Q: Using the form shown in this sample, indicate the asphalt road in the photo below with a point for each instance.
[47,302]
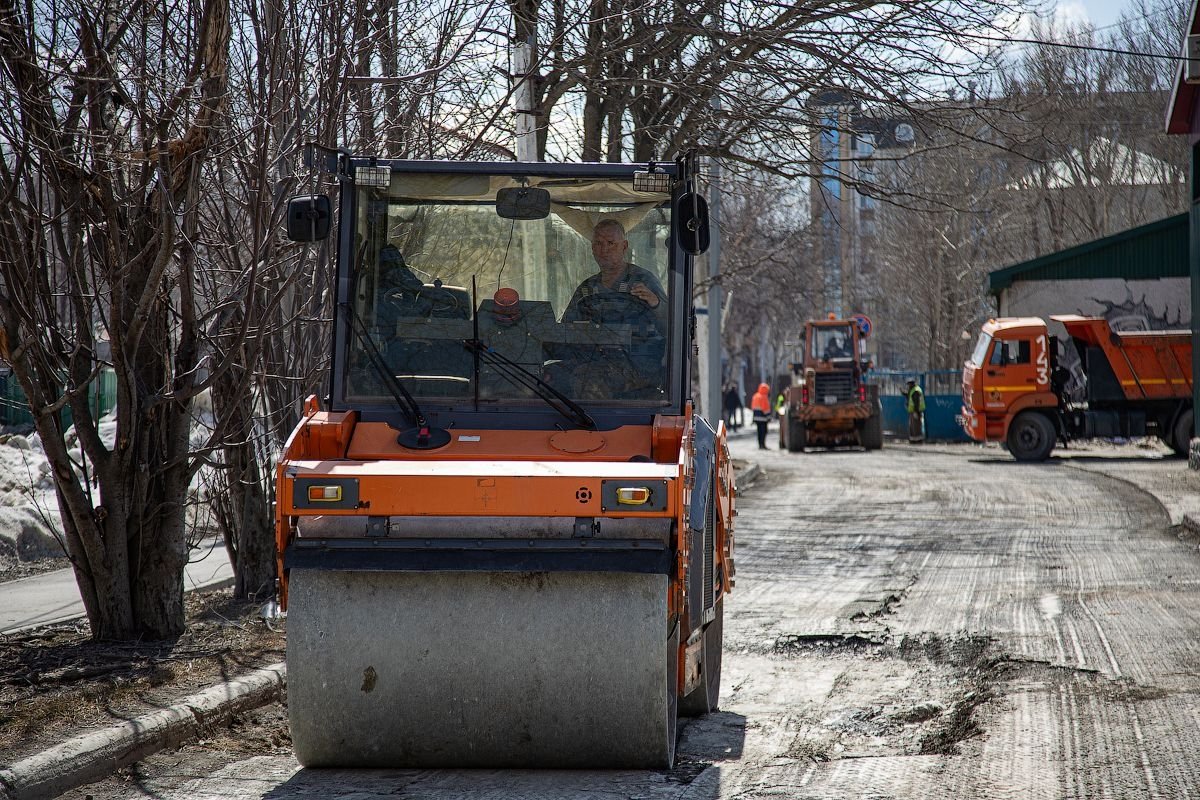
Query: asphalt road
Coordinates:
[908,623]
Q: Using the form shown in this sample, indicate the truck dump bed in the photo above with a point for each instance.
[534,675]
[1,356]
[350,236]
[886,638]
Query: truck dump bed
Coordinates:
[1147,365]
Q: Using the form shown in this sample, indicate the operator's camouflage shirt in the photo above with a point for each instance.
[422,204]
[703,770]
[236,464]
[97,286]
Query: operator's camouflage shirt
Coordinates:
[633,275]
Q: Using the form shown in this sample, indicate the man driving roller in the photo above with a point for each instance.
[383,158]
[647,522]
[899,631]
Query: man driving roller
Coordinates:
[617,275]
[624,294]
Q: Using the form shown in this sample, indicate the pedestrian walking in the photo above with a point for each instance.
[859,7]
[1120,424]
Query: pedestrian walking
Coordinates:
[760,404]
[914,404]
[733,406]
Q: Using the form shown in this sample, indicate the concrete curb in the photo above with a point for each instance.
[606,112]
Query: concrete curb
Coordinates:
[93,756]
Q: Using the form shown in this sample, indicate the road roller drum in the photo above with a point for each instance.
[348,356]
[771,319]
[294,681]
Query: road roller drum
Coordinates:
[453,669]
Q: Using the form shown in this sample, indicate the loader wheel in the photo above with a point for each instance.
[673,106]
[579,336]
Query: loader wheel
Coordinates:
[797,435]
[872,431]
[1031,437]
[1182,438]
[703,699]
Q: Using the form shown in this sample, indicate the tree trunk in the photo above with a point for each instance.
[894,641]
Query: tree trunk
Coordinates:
[593,112]
[241,503]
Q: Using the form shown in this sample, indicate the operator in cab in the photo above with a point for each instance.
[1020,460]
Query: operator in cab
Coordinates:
[838,346]
[622,295]
[616,276]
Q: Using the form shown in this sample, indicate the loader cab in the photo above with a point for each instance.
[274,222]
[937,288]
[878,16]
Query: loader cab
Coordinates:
[833,344]
[478,288]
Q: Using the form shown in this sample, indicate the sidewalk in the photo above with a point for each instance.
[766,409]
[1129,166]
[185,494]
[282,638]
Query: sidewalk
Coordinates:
[54,596]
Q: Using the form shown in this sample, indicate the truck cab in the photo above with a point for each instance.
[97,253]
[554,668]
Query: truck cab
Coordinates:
[1009,371]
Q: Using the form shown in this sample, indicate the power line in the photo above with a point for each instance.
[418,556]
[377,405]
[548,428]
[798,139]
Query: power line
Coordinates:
[1069,46]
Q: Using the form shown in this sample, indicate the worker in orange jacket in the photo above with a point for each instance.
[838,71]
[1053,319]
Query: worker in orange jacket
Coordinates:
[760,404]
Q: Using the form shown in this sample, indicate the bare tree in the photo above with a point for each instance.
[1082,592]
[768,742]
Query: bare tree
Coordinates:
[115,108]
[643,77]
[1066,148]
[301,78]
[770,277]
[275,340]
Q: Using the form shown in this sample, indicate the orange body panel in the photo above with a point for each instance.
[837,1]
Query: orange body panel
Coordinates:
[1150,365]
[500,473]
[375,440]
[726,491]
[414,488]
[321,434]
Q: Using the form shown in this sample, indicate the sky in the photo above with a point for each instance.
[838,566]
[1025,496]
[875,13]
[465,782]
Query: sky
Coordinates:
[1099,12]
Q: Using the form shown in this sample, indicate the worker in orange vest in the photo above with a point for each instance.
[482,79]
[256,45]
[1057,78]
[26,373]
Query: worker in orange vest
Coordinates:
[760,404]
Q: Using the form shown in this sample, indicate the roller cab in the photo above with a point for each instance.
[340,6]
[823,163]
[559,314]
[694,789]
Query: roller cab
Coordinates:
[504,536]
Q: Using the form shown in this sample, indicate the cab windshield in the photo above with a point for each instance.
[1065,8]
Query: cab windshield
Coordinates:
[465,307]
[979,355]
[832,343]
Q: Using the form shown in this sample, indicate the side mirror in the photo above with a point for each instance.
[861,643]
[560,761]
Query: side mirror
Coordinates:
[523,202]
[691,223]
[308,218]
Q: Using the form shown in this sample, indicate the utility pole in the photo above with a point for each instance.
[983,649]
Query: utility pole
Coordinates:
[712,397]
[524,57]
[708,320]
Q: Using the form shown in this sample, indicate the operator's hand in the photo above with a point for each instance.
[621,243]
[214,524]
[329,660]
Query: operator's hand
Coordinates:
[644,293]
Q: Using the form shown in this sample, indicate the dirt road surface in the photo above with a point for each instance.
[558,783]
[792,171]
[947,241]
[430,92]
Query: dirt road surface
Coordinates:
[907,623]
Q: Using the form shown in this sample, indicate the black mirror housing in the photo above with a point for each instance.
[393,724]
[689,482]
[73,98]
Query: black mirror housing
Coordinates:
[691,223]
[523,202]
[308,218]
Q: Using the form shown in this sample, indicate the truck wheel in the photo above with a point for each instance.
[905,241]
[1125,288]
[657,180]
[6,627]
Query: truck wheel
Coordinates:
[796,438]
[1031,437]
[1182,438]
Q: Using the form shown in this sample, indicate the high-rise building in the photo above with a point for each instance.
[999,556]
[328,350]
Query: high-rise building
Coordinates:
[843,196]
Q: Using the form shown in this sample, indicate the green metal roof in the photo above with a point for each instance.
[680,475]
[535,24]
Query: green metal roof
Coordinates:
[1149,252]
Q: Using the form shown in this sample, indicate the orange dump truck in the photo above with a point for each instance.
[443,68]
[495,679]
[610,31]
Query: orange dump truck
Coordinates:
[1134,384]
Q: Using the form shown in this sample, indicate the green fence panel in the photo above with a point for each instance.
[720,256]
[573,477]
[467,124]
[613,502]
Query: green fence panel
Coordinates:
[14,408]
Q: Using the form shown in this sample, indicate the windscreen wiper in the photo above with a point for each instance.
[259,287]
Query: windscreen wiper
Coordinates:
[517,375]
[420,437]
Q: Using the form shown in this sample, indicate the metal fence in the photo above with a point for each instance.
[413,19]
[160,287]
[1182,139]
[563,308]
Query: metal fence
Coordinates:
[943,402]
[14,408]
